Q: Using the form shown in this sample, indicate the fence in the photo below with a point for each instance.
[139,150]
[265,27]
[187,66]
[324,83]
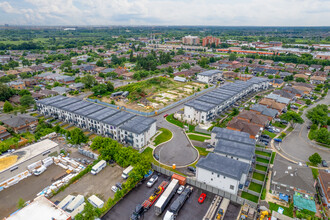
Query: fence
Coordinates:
[153,113]
[231,197]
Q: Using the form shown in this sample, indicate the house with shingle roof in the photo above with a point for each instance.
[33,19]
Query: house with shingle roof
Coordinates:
[21,123]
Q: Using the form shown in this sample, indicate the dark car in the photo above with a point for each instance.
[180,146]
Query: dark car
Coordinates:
[119,185]
[309,127]
[139,209]
[324,163]
[192,169]
[156,156]
[265,136]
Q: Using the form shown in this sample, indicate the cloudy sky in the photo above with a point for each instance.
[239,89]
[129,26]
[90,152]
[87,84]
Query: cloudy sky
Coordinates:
[166,12]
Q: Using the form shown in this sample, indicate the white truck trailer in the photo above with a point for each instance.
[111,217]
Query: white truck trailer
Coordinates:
[98,167]
[75,203]
[66,201]
[126,172]
[166,196]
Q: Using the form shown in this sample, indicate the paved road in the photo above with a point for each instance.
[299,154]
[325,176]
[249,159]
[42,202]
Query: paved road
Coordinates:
[297,146]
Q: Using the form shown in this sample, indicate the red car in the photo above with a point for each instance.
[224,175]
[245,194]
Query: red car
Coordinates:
[202,198]
[165,115]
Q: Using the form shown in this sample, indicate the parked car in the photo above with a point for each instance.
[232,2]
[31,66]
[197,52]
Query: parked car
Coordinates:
[247,183]
[165,115]
[114,189]
[324,163]
[202,198]
[278,139]
[192,169]
[180,190]
[309,127]
[118,185]
[265,136]
[209,146]
[152,180]
[156,156]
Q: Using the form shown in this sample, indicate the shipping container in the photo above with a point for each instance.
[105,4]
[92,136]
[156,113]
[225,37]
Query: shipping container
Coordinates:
[166,196]
[182,179]
[66,201]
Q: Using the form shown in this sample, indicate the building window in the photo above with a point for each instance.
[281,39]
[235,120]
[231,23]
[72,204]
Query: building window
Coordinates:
[224,177]
[231,187]
[212,173]
[218,175]
[211,179]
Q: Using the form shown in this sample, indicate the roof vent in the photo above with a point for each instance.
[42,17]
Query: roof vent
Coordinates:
[289,167]
[286,171]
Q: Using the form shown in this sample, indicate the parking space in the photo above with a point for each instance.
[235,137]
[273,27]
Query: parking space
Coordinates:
[26,189]
[191,209]
[99,184]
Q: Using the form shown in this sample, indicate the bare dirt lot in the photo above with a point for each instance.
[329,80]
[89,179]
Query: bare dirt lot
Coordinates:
[99,184]
[190,210]
[26,189]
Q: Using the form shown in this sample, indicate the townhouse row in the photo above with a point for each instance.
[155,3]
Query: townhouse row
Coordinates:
[204,108]
[119,125]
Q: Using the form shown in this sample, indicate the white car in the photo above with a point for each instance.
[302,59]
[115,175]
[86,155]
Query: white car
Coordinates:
[114,189]
[180,190]
[152,180]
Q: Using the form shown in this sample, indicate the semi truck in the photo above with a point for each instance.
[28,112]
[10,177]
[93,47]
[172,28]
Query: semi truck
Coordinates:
[223,208]
[126,172]
[177,204]
[166,196]
[98,167]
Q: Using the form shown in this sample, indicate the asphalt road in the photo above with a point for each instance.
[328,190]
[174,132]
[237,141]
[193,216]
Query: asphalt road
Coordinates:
[297,146]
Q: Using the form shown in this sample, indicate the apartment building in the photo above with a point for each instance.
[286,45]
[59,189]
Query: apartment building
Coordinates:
[191,40]
[209,40]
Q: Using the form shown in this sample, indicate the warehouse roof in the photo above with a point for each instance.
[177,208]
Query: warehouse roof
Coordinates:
[224,166]
[138,124]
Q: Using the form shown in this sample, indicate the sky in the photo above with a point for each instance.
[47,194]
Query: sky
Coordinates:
[166,12]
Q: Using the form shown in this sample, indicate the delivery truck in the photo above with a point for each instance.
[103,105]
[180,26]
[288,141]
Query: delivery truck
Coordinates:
[166,196]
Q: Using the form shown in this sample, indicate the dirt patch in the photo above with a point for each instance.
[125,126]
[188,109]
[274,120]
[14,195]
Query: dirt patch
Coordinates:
[7,161]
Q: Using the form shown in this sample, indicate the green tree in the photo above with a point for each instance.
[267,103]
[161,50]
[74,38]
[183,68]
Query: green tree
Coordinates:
[100,63]
[89,213]
[26,62]
[7,107]
[185,66]
[89,81]
[323,136]
[99,89]
[203,62]
[110,87]
[288,78]
[27,100]
[77,136]
[308,102]
[270,76]
[318,115]
[20,203]
[292,117]
[5,92]
[66,64]
[299,79]
[24,92]
[315,159]
[232,56]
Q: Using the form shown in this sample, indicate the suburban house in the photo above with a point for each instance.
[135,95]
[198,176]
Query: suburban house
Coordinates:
[324,184]
[263,110]
[284,94]
[318,79]
[276,83]
[296,92]
[19,85]
[21,123]
[4,134]
[270,103]
[305,77]
[253,118]
[278,98]
[222,172]
[237,124]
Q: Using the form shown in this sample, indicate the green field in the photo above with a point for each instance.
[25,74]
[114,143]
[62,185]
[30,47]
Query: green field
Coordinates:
[262,153]
[250,197]
[255,187]
[198,138]
[163,137]
[287,211]
[261,168]
[258,176]
[172,120]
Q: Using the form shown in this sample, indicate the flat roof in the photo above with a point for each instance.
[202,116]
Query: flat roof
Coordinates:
[200,105]
[40,209]
[210,72]
[138,124]
[102,114]
[224,166]
[235,149]
[210,99]
[90,109]
[76,106]
[118,119]
[65,102]
[52,100]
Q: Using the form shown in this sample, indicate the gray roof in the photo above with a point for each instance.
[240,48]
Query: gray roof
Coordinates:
[210,99]
[19,120]
[200,105]
[52,100]
[76,106]
[240,150]
[264,110]
[88,110]
[102,114]
[118,119]
[278,98]
[209,73]
[234,136]
[138,124]
[224,166]
[64,102]
[285,172]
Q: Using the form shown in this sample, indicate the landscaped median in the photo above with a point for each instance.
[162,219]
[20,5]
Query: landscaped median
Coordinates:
[166,135]
[200,138]
[170,118]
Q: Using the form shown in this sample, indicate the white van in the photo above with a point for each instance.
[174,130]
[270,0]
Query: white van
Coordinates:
[39,170]
[126,172]
[98,167]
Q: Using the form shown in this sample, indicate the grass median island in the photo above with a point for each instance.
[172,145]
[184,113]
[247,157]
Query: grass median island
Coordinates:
[170,118]
[163,137]
[255,187]
[202,151]
[198,138]
[258,176]
[250,197]
[273,158]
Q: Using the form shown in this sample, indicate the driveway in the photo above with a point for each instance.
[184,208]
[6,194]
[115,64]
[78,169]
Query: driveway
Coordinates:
[297,146]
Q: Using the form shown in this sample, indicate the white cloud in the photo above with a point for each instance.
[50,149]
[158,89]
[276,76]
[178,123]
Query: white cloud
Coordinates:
[169,12]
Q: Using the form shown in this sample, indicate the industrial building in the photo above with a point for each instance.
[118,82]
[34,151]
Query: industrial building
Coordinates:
[119,125]
[204,108]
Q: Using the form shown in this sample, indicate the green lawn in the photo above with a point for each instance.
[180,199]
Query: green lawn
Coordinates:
[273,158]
[315,172]
[260,167]
[270,134]
[262,160]
[172,120]
[263,153]
[258,176]
[202,151]
[164,136]
[255,187]
[250,197]
[287,211]
[198,138]
[196,132]
[279,125]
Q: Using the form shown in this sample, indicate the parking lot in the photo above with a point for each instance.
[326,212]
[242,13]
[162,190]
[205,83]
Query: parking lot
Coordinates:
[99,184]
[26,189]
[190,210]
[232,211]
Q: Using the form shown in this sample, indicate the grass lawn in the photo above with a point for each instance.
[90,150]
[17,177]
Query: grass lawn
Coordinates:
[261,168]
[273,158]
[270,134]
[172,120]
[287,211]
[250,197]
[196,132]
[198,138]
[279,125]
[255,187]
[258,176]
[262,160]
[263,153]
[315,172]
[147,153]
[202,151]
[164,136]
[290,129]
